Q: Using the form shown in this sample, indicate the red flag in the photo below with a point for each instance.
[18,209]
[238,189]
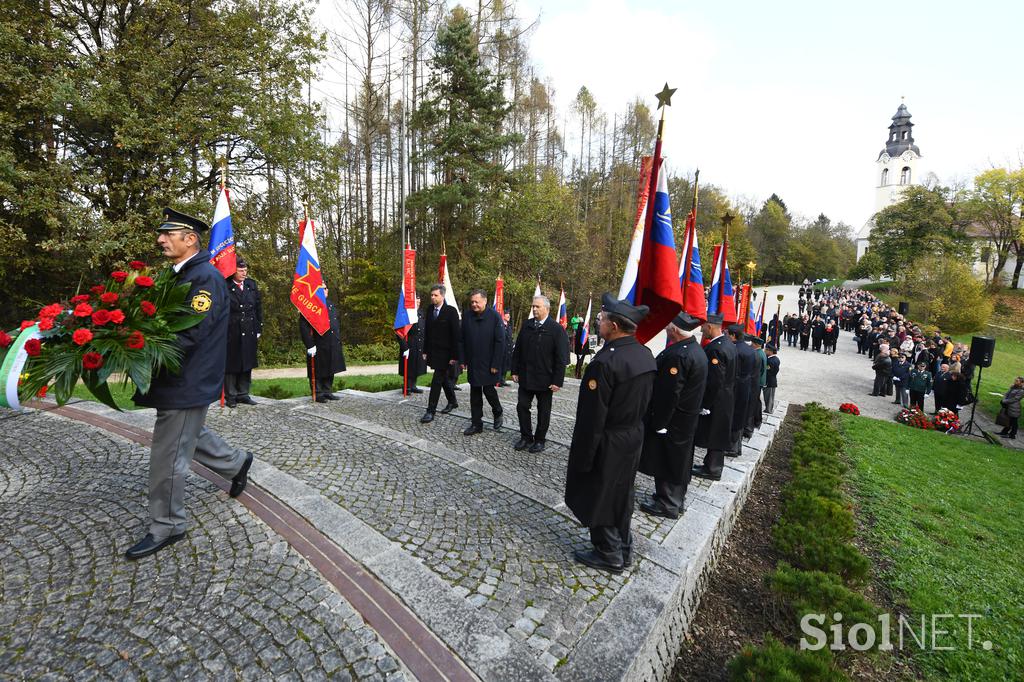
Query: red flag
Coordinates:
[499,296]
[307,284]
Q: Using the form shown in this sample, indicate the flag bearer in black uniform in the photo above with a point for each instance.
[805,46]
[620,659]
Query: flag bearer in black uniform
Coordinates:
[323,352]
[609,435]
[410,353]
[671,419]
[245,325]
[714,428]
[746,365]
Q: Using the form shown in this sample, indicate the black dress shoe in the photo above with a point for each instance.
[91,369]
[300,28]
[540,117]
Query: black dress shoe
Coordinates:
[416,389]
[538,446]
[701,472]
[499,419]
[247,400]
[150,545]
[427,417]
[321,399]
[449,407]
[627,558]
[331,396]
[229,404]
[241,478]
[473,430]
[458,388]
[656,510]
[522,444]
[594,560]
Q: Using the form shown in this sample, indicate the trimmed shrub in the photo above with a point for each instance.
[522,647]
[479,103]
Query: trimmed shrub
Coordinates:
[372,352]
[819,592]
[773,661]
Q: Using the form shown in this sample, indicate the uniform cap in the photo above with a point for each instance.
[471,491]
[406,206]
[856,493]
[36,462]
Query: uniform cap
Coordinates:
[176,220]
[633,313]
[686,321]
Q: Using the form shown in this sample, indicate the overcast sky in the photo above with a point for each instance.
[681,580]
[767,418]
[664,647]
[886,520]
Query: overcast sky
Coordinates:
[795,97]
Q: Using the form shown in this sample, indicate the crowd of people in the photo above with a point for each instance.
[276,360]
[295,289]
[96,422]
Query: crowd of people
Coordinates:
[635,411]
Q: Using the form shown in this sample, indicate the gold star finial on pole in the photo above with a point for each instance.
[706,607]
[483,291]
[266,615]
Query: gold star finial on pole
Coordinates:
[665,96]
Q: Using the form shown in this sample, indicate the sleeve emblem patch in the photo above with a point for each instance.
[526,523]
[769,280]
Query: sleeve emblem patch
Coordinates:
[201,302]
[592,384]
[673,371]
[714,361]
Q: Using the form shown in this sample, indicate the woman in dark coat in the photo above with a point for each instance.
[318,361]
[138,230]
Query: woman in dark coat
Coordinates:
[324,352]
[1011,405]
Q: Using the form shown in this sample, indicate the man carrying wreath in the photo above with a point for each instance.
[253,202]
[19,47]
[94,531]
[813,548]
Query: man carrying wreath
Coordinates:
[181,400]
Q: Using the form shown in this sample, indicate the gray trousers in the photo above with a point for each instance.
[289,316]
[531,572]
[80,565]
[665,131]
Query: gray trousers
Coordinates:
[237,385]
[178,436]
[769,399]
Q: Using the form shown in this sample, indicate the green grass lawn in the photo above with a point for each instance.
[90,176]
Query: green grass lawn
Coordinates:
[945,515]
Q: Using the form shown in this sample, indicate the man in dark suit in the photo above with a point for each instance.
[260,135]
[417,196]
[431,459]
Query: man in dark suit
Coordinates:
[538,366]
[506,358]
[771,378]
[483,346]
[182,398]
[714,428]
[441,339]
[746,366]
[608,437]
[324,355]
[671,419]
[245,325]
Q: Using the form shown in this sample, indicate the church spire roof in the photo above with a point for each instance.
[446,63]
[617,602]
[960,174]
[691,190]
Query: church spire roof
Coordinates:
[901,135]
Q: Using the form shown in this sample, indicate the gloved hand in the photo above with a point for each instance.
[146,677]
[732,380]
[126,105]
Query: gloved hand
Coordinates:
[705,412]
[311,352]
[259,335]
[662,431]
[405,354]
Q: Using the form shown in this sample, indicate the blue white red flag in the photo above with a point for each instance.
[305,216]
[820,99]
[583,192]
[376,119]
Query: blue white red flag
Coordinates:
[307,283]
[586,325]
[406,314]
[722,297]
[759,320]
[222,237]
[691,277]
[627,289]
[563,314]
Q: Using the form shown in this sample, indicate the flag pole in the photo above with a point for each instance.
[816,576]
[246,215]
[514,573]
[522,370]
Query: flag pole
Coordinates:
[223,185]
[312,372]
[691,226]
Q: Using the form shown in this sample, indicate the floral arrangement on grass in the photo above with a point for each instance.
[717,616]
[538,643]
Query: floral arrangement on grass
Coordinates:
[849,408]
[946,420]
[124,326]
[914,417]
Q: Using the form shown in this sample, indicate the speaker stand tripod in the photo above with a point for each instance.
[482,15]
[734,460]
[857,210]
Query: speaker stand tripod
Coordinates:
[968,429]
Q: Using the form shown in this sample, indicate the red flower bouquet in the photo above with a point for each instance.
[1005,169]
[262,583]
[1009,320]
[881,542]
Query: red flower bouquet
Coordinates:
[914,417]
[849,408]
[126,325]
[947,421]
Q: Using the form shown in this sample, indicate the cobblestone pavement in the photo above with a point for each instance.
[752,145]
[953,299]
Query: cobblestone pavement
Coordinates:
[499,550]
[231,600]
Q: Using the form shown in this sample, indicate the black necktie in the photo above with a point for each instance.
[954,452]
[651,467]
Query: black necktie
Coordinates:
[436,311]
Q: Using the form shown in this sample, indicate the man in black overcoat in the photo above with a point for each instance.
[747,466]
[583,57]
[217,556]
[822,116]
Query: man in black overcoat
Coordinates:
[714,428]
[754,403]
[608,437]
[671,420]
[746,364]
[538,366]
[483,347]
[442,337]
[245,325]
[410,353]
[323,353]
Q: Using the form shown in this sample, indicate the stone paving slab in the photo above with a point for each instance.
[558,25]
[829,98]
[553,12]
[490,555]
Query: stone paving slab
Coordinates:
[232,599]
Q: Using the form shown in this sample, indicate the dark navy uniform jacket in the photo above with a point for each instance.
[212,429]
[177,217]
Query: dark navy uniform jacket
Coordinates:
[204,346]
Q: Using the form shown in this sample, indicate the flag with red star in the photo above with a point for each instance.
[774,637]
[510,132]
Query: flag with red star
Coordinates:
[308,292]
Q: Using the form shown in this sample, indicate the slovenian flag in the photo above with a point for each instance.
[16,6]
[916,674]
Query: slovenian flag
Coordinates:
[657,282]
[722,298]
[222,237]
[446,280]
[307,283]
[563,314]
[627,289]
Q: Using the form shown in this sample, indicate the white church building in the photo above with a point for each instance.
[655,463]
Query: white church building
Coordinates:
[898,166]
